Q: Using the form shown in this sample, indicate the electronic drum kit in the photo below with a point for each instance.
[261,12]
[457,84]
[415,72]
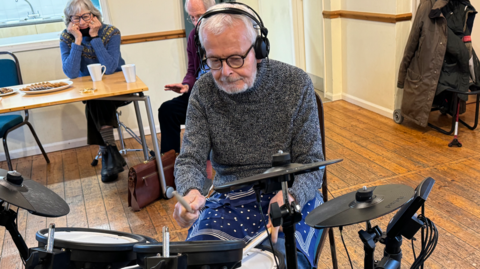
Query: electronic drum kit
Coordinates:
[60,247]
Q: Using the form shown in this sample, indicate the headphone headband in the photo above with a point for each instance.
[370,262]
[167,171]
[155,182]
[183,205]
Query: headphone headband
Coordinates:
[233,11]
[261,45]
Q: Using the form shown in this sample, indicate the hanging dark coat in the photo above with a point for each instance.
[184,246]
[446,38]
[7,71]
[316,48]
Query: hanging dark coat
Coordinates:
[423,60]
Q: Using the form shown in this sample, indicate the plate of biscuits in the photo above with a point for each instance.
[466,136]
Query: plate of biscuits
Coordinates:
[44,87]
[7,91]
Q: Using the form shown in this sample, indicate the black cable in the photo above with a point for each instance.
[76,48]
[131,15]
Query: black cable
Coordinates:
[16,223]
[430,238]
[159,265]
[235,264]
[269,236]
[413,249]
[434,238]
[348,255]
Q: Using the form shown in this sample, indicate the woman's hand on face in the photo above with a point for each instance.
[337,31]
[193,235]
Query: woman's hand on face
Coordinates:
[95,26]
[75,31]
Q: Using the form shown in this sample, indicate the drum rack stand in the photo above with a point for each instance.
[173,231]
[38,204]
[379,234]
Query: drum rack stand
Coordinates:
[286,215]
[33,257]
[392,258]
[392,255]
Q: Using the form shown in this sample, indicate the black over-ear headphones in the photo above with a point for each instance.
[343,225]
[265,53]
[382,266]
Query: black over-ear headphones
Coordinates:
[261,46]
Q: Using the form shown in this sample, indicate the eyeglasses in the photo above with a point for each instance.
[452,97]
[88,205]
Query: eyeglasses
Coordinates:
[234,61]
[193,19]
[86,18]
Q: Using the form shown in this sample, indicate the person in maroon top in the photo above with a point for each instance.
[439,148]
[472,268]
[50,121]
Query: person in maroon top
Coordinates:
[172,114]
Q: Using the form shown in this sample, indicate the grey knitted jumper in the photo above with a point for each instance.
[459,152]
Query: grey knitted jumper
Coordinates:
[244,130]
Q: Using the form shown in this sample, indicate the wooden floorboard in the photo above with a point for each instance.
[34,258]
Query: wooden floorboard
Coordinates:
[376,151]
[73,190]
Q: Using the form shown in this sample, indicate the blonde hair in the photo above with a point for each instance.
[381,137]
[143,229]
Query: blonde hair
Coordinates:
[75,6]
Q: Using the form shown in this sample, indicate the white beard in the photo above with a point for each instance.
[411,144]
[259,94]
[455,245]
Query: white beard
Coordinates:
[231,89]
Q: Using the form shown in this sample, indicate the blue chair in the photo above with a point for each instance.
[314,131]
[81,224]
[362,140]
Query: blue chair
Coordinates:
[10,76]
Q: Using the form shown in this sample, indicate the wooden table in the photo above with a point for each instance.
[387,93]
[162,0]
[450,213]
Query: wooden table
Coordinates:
[111,85]
[112,88]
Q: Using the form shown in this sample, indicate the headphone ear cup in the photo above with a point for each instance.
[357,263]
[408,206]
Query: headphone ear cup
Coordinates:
[267,46]
[262,47]
[201,52]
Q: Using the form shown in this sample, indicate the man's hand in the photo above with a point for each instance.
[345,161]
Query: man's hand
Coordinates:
[177,87]
[95,25]
[74,30]
[278,198]
[180,214]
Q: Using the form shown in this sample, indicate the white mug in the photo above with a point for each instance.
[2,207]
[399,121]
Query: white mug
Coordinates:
[96,71]
[129,72]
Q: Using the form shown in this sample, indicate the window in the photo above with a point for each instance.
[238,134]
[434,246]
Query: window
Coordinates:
[26,24]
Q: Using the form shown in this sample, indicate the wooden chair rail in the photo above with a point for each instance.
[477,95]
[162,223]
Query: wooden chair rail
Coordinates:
[379,17]
[131,39]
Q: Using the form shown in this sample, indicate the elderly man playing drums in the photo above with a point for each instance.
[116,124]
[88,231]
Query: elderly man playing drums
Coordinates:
[245,110]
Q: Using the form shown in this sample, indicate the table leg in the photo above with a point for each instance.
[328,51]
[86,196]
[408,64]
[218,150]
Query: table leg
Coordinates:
[140,128]
[120,136]
[167,193]
[166,190]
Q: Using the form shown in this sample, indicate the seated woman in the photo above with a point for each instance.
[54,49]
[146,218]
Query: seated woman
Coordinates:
[88,41]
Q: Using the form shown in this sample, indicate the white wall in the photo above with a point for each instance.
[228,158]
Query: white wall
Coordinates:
[314,54]
[277,17]
[146,16]
[252,3]
[374,6]
[369,69]
[362,57]
[476,28]
[335,45]
[158,63]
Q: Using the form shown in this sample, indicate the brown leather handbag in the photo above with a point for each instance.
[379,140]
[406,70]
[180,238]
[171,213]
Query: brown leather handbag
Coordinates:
[144,181]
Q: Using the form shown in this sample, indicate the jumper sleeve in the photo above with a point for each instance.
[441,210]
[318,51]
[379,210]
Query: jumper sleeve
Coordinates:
[307,146]
[190,168]
[191,77]
[71,56]
[109,54]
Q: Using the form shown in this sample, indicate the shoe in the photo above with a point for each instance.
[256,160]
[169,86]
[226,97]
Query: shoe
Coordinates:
[112,164]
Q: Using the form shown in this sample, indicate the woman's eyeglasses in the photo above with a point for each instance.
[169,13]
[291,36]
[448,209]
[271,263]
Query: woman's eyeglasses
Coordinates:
[85,17]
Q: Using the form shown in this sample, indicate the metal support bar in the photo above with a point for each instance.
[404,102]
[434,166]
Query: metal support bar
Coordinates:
[120,134]
[151,122]
[455,103]
[7,219]
[140,128]
[158,158]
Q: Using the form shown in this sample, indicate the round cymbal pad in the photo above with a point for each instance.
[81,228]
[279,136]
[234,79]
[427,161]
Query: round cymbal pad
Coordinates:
[33,197]
[360,206]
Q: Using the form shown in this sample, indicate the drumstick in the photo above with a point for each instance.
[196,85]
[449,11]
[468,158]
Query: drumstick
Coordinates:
[259,239]
[182,201]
